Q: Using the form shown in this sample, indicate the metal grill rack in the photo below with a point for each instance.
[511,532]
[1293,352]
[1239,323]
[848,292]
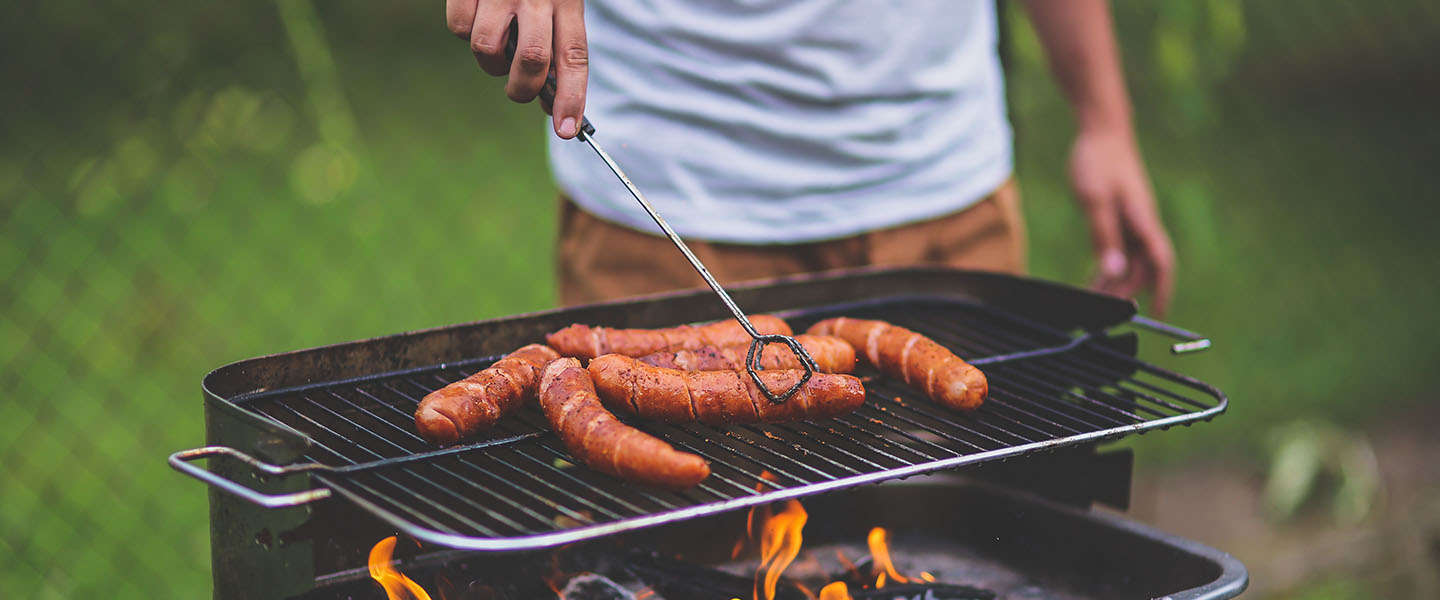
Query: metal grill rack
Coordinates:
[515,489]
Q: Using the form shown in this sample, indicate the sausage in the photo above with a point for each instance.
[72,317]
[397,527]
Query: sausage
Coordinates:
[719,397]
[912,357]
[598,439]
[478,401]
[831,354]
[586,342]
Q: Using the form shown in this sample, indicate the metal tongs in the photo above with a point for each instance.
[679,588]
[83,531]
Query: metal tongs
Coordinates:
[758,341]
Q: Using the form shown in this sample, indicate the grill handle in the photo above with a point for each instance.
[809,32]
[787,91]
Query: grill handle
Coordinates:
[181,462]
[1193,342]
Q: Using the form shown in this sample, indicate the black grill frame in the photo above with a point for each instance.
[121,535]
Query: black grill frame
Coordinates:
[1050,388]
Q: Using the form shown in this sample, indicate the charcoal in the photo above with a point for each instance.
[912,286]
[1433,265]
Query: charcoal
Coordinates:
[589,586]
[674,578]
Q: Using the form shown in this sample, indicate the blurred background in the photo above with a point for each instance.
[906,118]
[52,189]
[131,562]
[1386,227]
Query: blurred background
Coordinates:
[183,185]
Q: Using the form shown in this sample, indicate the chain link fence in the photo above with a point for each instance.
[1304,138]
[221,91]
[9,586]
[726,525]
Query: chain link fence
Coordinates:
[183,185]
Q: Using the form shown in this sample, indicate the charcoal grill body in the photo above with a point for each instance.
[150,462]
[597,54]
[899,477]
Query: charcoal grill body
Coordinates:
[289,549]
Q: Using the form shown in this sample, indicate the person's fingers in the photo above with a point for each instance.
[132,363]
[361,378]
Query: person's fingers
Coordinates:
[532,51]
[1106,237]
[1138,276]
[1156,250]
[489,34]
[460,17]
[572,68]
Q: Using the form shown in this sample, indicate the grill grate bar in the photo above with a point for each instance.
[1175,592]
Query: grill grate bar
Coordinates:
[1029,367]
[825,438]
[1090,366]
[878,442]
[899,409]
[505,482]
[529,474]
[1040,385]
[736,433]
[463,499]
[704,447]
[517,487]
[589,504]
[714,472]
[535,418]
[419,516]
[567,474]
[998,400]
[413,437]
[886,426]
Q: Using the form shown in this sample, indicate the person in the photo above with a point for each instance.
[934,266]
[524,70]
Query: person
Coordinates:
[789,136]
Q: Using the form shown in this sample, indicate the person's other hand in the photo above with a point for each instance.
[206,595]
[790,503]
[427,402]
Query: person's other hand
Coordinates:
[551,36]
[1131,245]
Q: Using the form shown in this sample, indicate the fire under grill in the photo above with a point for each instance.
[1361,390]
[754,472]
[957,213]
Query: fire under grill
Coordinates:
[1054,383]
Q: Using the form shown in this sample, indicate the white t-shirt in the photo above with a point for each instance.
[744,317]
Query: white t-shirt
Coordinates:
[788,121]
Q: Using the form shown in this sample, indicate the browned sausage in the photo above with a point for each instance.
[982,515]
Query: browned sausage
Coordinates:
[831,354]
[478,401]
[584,341]
[719,397]
[598,439]
[914,358]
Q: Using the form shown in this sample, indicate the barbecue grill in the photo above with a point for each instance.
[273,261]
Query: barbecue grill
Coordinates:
[318,456]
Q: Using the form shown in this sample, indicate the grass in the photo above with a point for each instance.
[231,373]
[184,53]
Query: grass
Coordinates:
[158,229]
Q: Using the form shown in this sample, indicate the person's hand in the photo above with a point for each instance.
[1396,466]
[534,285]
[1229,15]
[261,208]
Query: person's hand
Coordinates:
[1131,245]
[551,36]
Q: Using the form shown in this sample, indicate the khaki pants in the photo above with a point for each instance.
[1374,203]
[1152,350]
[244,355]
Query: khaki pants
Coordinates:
[598,260]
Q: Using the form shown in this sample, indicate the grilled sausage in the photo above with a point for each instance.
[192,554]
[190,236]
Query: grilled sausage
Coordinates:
[586,342]
[831,354]
[719,397]
[478,401]
[914,358]
[598,439]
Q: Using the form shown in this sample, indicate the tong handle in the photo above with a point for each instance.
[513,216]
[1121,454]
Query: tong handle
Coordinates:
[758,341]
[547,91]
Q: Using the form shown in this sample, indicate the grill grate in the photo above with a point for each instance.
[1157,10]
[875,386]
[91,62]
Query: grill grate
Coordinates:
[515,488]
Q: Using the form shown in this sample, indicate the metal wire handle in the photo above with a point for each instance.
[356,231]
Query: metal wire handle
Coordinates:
[1194,342]
[181,462]
[758,341]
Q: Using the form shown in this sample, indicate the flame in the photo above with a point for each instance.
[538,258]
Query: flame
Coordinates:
[927,577]
[779,545]
[880,557]
[397,585]
[845,562]
[765,476]
[836,590]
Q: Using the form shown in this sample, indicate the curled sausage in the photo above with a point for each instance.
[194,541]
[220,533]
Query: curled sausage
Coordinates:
[831,354]
[719,397]
[912,357]
[478,401]
[584,341]
[598,439]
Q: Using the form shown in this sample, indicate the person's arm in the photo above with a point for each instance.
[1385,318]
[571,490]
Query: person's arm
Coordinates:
[1106,170]
[551,33]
